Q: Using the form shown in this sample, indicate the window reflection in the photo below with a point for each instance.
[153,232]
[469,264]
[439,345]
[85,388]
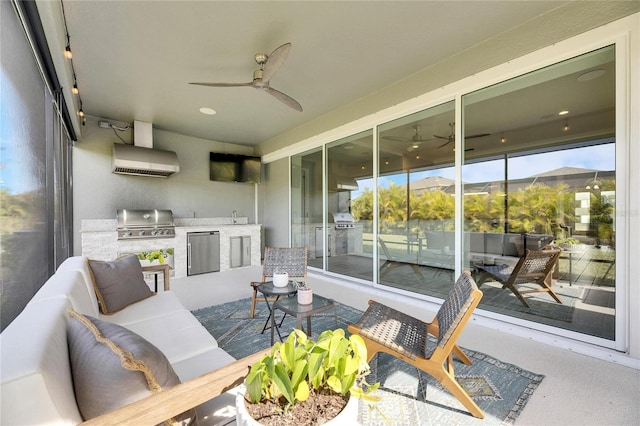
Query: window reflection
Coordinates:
[349,172]
[545,178]
[416,201]
[306,204]
[538,172]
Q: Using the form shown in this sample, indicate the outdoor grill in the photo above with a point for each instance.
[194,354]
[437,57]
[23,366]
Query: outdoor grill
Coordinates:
[138,224]
[343,220]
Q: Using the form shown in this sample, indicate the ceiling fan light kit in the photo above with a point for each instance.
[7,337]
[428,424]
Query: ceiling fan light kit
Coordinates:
[269,64]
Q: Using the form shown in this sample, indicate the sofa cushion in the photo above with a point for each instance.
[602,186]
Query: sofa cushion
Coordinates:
[118,283]
[153,307]
[69,284]
[35,375]
[112,367]
[179,335]
[81,264]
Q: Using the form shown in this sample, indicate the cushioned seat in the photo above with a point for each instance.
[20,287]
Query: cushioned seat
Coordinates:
[37,387]
[156,306]
[179,335]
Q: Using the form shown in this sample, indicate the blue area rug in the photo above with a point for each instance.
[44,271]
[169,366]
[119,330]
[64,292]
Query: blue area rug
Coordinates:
[410,397]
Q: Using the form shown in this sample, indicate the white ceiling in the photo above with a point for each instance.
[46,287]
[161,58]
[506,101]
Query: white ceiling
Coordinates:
[133,60]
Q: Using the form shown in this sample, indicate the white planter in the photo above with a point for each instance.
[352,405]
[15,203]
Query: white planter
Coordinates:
[280,279]
[348,415]
[305,296]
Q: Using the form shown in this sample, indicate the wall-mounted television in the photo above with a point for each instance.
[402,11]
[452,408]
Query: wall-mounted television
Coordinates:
[234,168]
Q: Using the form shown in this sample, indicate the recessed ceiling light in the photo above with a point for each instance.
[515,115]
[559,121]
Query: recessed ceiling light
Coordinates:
[208,111]
[591,75]
[564,112]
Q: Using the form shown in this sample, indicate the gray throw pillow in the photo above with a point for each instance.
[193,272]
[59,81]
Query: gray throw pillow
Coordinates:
[113,366]
[118,283]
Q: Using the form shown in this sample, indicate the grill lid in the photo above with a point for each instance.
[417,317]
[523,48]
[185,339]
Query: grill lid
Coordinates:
[128,218]
[145,224]
[343,220]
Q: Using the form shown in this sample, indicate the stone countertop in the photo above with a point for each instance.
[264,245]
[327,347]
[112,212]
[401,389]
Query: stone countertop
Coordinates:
[110,225]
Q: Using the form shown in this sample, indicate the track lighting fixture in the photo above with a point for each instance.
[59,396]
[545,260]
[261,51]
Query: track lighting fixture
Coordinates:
[69,56]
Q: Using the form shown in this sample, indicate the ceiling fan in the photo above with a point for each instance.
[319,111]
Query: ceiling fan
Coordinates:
[416,139]
[452,138]
[269,64]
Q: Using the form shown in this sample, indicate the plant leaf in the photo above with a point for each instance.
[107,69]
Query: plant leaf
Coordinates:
[352,365]
[334,383]
[302,393]
[287,352]
[283,383]
[299,373]
[315,361]
[254,382]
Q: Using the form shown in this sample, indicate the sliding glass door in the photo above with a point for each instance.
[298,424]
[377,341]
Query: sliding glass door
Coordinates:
[546,177]
[416,204]
[535,171]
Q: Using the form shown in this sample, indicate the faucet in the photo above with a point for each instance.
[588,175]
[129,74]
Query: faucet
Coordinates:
[234,215]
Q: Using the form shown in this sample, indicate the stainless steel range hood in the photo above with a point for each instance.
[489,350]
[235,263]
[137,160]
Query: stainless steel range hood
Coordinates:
[141,159]
[341,183]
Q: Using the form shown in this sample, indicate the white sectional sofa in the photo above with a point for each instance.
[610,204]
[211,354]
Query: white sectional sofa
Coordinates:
[35,372]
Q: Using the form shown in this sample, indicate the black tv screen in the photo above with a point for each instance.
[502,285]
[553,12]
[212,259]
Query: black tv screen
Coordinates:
[234,168]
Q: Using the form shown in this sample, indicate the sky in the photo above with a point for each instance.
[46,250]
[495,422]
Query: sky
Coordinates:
[599,157]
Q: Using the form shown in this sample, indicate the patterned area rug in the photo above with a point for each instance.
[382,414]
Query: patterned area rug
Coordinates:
[409,396]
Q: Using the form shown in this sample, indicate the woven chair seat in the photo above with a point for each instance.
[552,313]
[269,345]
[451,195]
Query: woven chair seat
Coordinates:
[395,330]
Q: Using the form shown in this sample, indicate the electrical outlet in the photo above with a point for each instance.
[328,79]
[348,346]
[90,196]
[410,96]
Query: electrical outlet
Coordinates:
[104,125]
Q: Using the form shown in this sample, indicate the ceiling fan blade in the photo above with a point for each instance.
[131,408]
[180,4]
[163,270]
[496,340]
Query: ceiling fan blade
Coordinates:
[441,137]
[446,143]
[274,61]
[223,84]
[288,100]
[479,135]
[396,138]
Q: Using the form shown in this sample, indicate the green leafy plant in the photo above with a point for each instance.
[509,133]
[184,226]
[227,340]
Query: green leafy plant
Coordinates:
[298,365]
[570,241]
[160,255]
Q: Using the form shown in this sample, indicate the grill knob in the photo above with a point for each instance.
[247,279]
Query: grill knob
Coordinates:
[141,233]
[127,234]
